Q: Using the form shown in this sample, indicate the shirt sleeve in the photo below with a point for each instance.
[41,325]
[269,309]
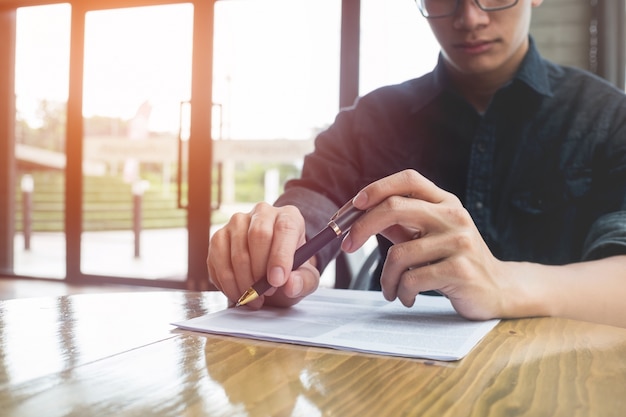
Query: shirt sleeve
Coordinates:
[331,176]
[607,234]
[315,209]
[327,181]
[366,142]
[607,237]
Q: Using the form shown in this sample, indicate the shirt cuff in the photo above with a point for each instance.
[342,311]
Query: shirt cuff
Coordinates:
[317,211]
[607,237]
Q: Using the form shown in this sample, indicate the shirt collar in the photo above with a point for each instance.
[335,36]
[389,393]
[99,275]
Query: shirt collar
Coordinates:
[532,72]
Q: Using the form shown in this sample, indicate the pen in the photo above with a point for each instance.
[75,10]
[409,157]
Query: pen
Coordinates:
[338,225]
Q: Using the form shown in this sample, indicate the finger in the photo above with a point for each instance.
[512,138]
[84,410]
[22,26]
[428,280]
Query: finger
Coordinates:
[408,183]
[218,258]
[301,283]
[260,231]
[401,218]
[398,218]
[399,234]
[412,256]
[288,235]
[400,258]
[417,280]
[219,264]
[393,201]
[241,264]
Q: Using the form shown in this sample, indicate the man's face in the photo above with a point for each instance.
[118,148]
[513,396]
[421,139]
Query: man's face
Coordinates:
[475,42]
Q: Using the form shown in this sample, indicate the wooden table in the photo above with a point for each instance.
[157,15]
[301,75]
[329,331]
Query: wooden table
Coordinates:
[116,354]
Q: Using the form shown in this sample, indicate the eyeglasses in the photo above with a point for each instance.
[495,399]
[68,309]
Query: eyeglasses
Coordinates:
[433,9]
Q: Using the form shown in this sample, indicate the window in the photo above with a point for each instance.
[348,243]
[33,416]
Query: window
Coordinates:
[276,82]
[396,44]
[276,67]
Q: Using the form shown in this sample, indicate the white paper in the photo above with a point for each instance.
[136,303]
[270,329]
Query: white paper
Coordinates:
[360,321]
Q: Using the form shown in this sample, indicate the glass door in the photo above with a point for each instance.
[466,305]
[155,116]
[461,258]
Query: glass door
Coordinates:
[134,81]
[99,127]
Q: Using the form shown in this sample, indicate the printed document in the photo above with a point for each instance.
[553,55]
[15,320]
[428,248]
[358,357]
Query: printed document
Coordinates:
[353,320]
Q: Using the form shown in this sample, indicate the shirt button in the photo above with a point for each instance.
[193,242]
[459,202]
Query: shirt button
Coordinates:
[478,205]
[482,147]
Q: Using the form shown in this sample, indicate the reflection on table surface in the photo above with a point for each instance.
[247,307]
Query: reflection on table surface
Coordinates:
[117,354]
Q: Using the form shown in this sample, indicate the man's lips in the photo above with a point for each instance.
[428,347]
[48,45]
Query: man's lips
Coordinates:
[474,47]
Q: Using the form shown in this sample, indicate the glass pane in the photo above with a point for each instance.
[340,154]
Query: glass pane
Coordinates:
[41,87]
[276,85]
[136,78]
[276,67]
[396,44]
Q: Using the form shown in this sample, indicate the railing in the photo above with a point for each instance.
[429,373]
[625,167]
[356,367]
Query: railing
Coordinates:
[108,205]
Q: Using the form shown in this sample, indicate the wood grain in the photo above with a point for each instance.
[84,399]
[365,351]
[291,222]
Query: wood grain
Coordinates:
[116,354]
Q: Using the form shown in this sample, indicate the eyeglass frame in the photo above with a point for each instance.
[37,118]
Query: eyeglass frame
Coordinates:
[456,8]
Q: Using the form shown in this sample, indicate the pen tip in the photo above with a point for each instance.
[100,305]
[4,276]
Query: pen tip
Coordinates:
[248,296]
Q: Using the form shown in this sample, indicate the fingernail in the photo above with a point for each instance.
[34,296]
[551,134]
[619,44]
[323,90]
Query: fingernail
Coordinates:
[297,284]
[276,277]
[346,245]
[360,199]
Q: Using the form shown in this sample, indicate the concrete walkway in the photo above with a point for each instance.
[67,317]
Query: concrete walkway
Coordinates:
[163,252]
[163,255]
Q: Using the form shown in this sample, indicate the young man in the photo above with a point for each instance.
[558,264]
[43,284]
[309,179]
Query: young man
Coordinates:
[499,180]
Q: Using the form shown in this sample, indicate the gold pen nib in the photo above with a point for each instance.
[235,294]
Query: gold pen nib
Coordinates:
[247,296]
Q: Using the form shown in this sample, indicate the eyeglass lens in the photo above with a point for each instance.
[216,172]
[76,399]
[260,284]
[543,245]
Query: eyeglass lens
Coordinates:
[441,8]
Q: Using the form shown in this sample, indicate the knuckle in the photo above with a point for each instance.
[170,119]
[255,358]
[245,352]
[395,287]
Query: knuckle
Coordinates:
[286,222]
[455,199]
[463,241]
[260,207]
[458,266]
[458,214]
[257,234]
[395,254]
[411,176]
[239,217]
[394,203]
[291,210]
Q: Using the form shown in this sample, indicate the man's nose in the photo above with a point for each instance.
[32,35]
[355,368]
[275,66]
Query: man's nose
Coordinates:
[469,15]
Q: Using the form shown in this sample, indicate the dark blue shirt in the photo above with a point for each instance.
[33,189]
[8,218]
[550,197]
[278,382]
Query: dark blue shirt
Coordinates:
[542,172]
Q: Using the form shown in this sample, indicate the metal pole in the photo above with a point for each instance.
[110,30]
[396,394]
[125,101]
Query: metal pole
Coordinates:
[607,54]
[350,52]
[138,189]
[137,224]
[27,185]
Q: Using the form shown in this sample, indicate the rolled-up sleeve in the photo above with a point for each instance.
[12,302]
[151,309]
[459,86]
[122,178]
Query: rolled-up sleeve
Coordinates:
[607,237]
